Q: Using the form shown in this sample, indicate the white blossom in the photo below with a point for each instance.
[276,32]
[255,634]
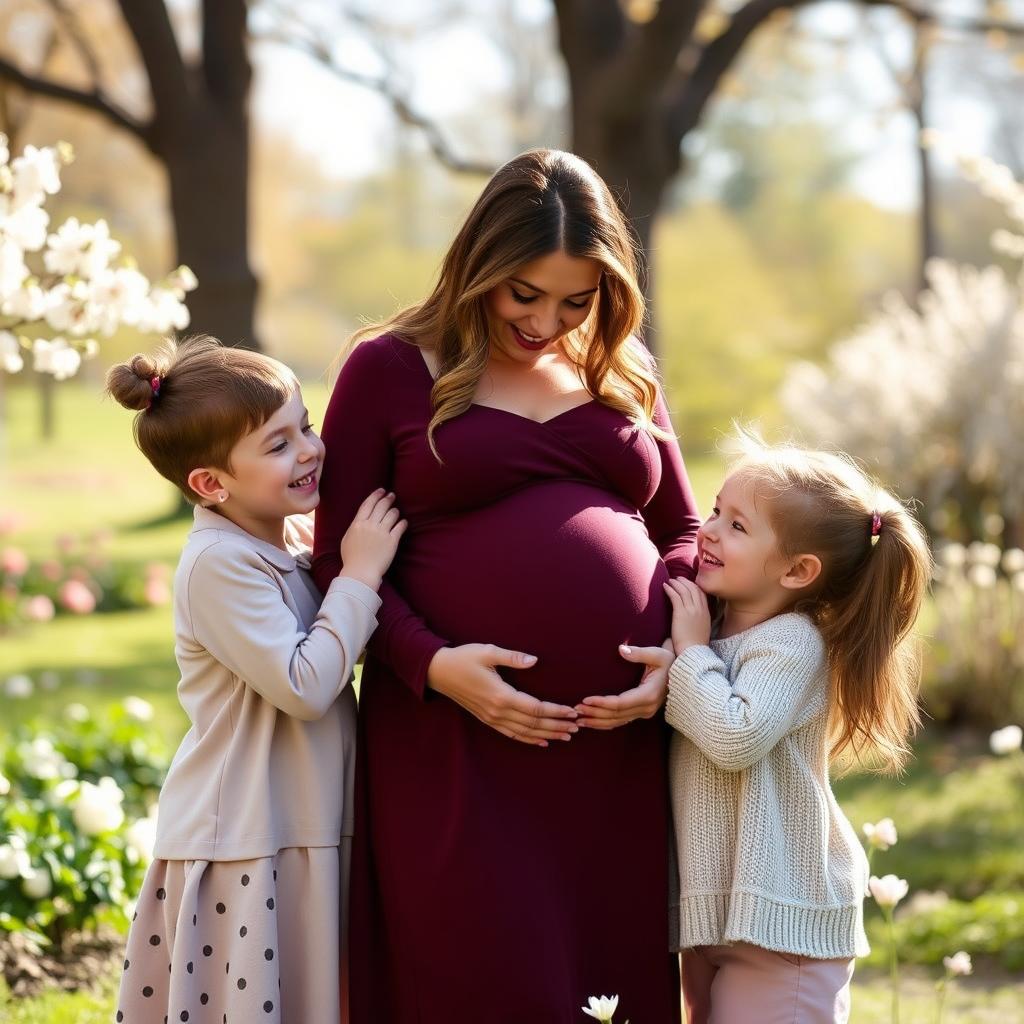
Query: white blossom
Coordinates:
[13,269]
[76,712]
[10,353]
[66,247]
[601,1008]
[14,860]
[140,835]
[958,964]
[887,890]
[37,884]
[36,172]
[1006,740]
[881,835]
[56,357]
[27,303]
[5,785]
[97,808]
[25,225]
[163,311]
[40,759]
[101,250]
[952,555]
[18,687]
[137,708]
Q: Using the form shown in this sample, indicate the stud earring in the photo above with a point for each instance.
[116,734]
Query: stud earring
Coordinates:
[222,496]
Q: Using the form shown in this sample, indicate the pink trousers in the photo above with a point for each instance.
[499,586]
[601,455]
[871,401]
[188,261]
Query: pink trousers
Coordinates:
[744,984]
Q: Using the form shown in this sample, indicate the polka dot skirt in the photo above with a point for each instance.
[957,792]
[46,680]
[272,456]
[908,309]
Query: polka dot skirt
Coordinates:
[227,942]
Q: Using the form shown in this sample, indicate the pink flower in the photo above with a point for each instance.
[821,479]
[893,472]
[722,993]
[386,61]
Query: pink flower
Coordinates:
[39,608]
[65,543]
[52,570]
[156,592]
[157,571]
[9,522]
[14,562]
[76,597]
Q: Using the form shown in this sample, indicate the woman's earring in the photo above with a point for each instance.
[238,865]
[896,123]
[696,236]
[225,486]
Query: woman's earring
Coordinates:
[222,496]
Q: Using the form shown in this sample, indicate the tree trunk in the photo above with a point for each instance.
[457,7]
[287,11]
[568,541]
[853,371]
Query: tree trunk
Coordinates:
[209,191]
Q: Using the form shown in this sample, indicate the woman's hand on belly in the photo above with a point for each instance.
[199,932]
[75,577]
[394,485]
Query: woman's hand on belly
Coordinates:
[468,676]
[643,701]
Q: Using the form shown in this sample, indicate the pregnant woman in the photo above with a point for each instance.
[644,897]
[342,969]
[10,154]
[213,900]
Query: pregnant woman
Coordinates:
[512,842]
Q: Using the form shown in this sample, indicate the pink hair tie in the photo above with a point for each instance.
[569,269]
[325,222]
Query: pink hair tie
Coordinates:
[876,527]
[154,385]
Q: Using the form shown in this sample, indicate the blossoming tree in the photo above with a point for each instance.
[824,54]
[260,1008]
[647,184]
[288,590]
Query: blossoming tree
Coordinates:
[60,289]
[935,393]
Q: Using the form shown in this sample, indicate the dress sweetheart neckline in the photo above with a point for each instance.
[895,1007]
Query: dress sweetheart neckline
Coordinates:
[510,412]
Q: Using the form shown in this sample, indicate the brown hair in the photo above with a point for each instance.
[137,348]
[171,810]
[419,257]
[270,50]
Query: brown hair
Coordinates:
[540,202]
[868,595]
[206,399]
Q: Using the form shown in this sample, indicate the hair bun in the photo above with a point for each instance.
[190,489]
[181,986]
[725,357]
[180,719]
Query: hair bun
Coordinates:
[130,383]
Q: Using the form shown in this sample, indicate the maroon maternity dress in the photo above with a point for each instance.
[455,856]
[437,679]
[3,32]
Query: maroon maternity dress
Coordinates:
[495,882]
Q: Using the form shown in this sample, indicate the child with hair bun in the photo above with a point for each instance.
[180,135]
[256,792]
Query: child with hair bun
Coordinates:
[819,575]
[241,917]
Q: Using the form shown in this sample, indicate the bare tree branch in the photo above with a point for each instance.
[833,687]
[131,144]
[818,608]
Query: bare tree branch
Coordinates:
[150,26]
[385,87]
[94,100]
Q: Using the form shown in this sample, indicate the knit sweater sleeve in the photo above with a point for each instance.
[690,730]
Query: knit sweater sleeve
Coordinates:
[777,684]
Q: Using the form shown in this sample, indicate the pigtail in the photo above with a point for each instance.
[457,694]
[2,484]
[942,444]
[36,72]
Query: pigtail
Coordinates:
[867,621]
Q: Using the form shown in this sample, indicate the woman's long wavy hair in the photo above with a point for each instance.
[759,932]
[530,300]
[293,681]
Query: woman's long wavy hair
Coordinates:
[542,201]
[867,597]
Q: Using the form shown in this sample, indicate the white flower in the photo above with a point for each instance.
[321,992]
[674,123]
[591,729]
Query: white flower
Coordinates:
[102,249]
[982,576]
[55,357]
[162,311]
[76,712]
[40,759]
[137,708]
[14,861]
[10,353]
[26,226]
[27,303]
[182,279]
[601,1008]
[65,789]
[66,247]
[37,884]
[13,270]
[888,890]
[881,835]
[958,963]
[36,171]
[97,808]
[19,687]
[5,785]
[984,554]
[1013,561]
[5,152]
[1006,740]
[141,837]
[120,296]
[68,309]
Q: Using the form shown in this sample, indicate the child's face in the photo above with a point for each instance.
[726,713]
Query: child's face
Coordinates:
[739,558]
[276,468]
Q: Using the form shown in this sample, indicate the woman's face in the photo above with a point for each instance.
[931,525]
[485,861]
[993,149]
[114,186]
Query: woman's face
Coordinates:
[542,301]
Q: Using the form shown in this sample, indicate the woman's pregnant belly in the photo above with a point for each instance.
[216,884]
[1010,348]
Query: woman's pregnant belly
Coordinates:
[562,570]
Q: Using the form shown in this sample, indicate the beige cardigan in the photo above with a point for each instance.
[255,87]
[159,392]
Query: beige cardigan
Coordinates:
[766,856]
[265,672]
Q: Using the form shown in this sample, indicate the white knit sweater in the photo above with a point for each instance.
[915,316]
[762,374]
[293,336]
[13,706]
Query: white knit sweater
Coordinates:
[765,854]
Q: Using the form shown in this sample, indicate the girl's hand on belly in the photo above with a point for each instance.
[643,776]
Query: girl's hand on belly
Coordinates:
[467,676]
[643,701]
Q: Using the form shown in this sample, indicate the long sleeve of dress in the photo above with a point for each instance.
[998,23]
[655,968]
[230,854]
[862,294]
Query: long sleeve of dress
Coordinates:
[671,515]
[259,640]
[736,722]
[357,435]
